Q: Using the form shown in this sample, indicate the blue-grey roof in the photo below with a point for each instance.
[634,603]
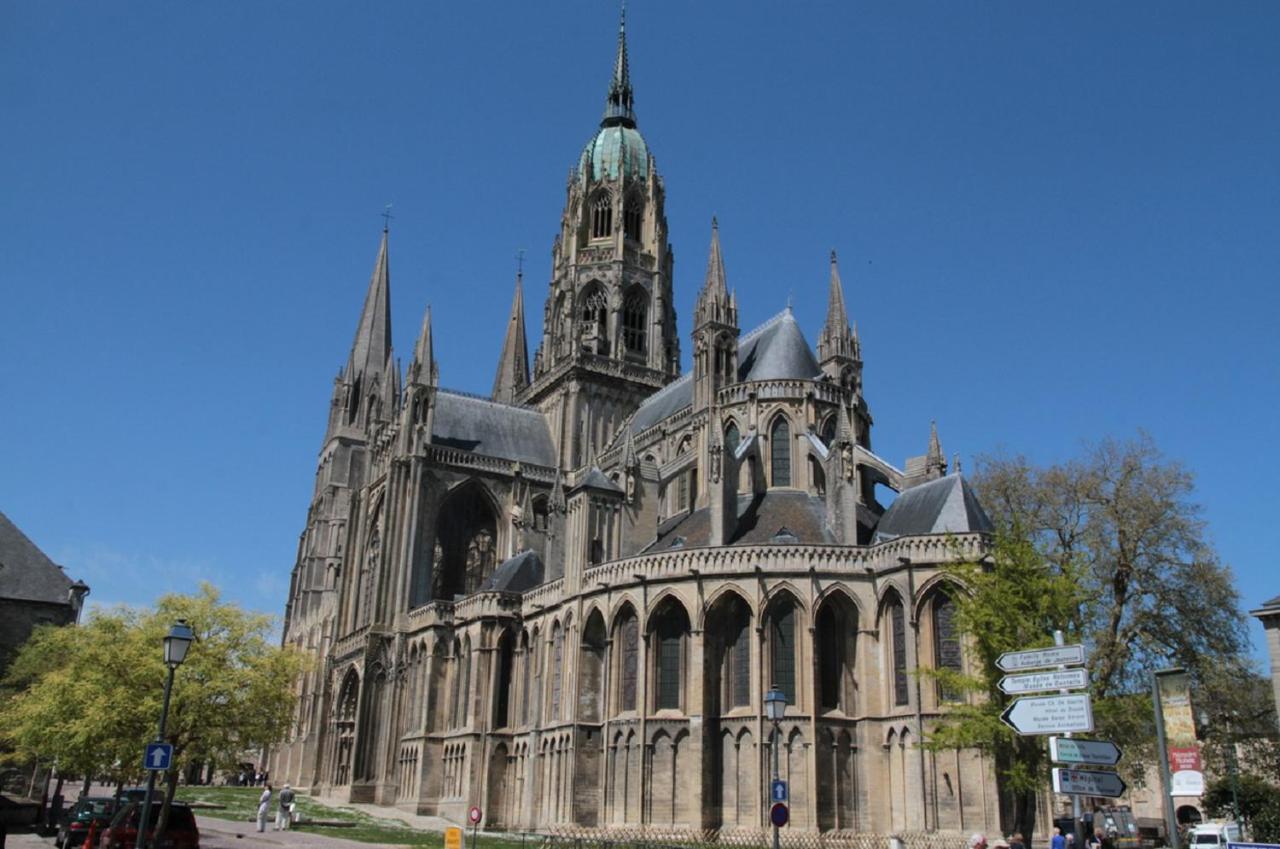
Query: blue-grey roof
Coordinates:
[945,505]
[26,574]
[492,429]
[775,350]
[517,574]
[615,151]
[596,479]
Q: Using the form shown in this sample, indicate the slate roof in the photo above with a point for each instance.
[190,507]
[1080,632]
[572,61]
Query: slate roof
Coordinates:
[945,505]
[775,350]
[596,479]
[26,574]
[773,518]
[494,430]
[516,574]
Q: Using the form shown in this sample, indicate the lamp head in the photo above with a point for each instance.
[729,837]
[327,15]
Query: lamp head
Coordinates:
[775,704]
[176,643]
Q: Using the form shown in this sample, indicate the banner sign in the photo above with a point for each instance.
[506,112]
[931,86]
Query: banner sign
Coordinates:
[1180,729]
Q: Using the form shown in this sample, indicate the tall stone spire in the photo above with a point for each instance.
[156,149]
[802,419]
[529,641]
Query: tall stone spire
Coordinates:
[934,461]
[715,330]
[513,363]
[836,339]
[372,345]
[422,368]
[618,104]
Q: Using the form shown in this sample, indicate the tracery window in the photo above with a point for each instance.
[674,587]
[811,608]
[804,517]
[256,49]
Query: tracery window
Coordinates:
[946,642]
[780,451]
[731,437]
[602,216]
[898,626]
[829,431]
[782,648]
[557,667]
[632,217]
[635,317]
[737,665]
[669,631]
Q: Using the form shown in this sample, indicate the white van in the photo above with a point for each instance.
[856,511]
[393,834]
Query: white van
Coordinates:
[1213,835]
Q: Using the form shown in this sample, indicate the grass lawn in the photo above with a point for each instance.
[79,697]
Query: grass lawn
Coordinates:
[241,804]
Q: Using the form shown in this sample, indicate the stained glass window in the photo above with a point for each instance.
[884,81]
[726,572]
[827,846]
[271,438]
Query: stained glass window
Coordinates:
[780,452]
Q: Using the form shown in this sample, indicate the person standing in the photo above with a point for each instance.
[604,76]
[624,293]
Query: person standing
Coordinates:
[1057,841]
[264,807]
[284,810]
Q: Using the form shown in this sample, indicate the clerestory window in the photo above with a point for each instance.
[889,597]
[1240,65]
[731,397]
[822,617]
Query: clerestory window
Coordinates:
[602,217]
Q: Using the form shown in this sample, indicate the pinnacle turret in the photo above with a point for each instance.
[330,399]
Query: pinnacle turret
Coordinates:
[836,339]
[618,103]
[513,363]
[715,330]
[715,305]
[935,462]
[422,368]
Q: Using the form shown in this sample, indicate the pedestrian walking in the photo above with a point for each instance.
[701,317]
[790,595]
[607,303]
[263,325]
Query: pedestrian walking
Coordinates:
[284,810]
[1057,841]
[264,807]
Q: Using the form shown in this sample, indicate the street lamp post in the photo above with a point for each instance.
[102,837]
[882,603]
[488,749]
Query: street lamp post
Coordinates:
[176,643]
[775,704]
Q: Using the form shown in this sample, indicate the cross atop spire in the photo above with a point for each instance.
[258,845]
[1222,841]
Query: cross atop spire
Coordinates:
[618,104]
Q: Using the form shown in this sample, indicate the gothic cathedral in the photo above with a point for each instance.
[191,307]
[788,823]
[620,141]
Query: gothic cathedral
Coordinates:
[563,603]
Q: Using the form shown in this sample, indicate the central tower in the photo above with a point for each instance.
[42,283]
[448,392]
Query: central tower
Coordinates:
[609,326]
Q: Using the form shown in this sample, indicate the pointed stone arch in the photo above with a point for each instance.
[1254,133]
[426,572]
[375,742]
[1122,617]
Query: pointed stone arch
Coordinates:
[782,619]
[624,662]
[591,668]
[668,630]
[835,647]
[467,540]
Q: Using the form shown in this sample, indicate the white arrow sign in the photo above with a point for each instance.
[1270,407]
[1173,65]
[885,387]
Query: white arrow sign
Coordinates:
[1050,714]
[1067,750]
[1079,782]
[1040,682]
[1017,661]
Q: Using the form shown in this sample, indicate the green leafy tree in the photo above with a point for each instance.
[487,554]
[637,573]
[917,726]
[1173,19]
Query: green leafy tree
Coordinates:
[1259,805]
[90,697]
[1014,600]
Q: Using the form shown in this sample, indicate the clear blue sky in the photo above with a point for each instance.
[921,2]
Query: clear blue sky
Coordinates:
[1056,222]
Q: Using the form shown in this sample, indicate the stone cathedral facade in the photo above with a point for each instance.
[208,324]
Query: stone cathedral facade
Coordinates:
[564,602]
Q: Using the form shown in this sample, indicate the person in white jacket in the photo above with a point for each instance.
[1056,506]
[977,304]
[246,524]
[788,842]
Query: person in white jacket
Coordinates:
[264,807]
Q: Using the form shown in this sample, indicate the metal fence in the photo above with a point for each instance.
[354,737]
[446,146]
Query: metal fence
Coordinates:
[660,838]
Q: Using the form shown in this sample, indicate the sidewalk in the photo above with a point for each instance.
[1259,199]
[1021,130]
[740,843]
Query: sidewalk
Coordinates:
[224,834]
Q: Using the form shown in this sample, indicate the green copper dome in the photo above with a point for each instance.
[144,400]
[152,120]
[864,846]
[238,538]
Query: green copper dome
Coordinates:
[616,151]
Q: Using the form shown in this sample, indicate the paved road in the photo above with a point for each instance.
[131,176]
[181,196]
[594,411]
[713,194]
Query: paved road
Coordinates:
[226,834]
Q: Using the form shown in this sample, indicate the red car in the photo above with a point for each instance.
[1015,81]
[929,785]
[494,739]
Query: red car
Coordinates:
[180,833]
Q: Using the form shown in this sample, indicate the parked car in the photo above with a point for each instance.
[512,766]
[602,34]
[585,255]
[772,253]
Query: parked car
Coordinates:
[75,823]
[180,833]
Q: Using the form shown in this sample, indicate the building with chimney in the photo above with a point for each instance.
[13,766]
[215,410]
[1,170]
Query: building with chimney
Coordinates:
[34,591]
[563,603]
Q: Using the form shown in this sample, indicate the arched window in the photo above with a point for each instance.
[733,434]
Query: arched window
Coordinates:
[729,631]
[593,310]
[540,513]
[780,451]
[635,318]
[465,548]
[836,628]
[946,642]
[502,693]
[898,645]
[782,647]
[628,642]
[731,437]
[632,218]
[670,630]
[829,430]
[602,216]
[557,668]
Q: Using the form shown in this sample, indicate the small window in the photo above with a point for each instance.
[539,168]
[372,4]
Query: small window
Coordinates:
[780,451]
[782,639]
[635,317]
[632,218]
[898,624]
[602,217]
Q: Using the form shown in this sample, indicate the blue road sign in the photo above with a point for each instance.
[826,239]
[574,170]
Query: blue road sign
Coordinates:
[157,756]
[778,790]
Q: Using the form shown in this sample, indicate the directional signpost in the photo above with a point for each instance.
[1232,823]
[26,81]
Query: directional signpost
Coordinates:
[1017,661]
[1050,714]
[1040,682]
[157,756]
[1066,750]
[1087,783]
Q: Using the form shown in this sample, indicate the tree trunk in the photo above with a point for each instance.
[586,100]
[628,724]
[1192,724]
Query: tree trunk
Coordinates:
[170,787]
[88,779]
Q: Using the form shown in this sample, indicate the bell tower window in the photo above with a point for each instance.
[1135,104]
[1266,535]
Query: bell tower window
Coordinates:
[602,217]
[635,315]
[631,218]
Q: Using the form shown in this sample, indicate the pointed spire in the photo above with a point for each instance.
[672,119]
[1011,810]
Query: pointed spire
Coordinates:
[935,462]
[422,368]
[714,302]
[836,339]
[372,345]
[618,103]
[630,460]
[513,363]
